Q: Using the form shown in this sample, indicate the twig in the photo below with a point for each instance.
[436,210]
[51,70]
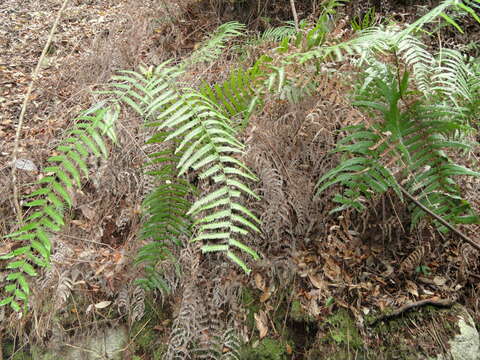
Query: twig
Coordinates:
[295,15]
[1,341]
[413,305]
[441,220]
[23,110]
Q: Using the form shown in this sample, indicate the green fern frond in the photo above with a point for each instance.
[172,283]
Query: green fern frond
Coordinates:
[213,47]
[409,148]
[164,217]
[414,54]
[53,197]
[236,96]
[277,34]
[451,77]
[367,41]
[208,145]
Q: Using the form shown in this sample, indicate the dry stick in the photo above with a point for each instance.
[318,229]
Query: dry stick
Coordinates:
[295,15]
[416,304]
[441,220]
[24,108]
[1,341]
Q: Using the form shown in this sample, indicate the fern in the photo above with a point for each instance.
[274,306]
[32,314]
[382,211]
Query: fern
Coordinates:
[359,23]
[52,198]
[165,219]
[277,34]
[208,142]
[205,142]
[407,147]
[214,45]
[453,76]
[236,97]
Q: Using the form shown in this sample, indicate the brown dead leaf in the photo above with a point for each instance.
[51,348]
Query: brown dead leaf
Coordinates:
[411,288]
[261,322]
[313,308]
[439,280]
[259,282]
[332,270]
[317,281]
[288,349]
[87,211]
[102,304]
[267,294]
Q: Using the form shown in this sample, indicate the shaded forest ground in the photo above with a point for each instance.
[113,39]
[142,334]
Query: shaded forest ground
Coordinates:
[314,263]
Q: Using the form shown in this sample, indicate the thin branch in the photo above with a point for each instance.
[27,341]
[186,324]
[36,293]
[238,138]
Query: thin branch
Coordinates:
[295,15]
[24,108]
[433,301]
[440,219]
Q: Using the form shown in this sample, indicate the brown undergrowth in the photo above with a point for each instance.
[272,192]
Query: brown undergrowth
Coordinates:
[361,263]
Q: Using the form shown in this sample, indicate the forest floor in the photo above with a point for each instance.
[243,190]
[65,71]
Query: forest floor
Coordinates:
[315,261]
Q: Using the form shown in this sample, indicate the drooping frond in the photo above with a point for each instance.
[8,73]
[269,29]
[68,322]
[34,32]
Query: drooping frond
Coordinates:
[139,89]
[414,54]
[53,197]
[236,97]
[406,147]
[165,221]
[209,146]
[206,142]
[277,34]
[452,77]
[214,45]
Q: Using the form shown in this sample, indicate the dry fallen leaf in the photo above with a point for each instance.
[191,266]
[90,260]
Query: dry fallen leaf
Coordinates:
[102,304]
[313,308]
[259,282]
[317,281]
[266,294]
[88,212]
[411,288]
[261,323]
[439,281]
[332,270]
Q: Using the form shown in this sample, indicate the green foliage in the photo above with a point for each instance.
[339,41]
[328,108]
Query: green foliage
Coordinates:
[408,146]
[267,349]
[198,125]
[214,45]
[47,204]
[277,34]
[165,220]
[364,22]
[237,96]
[209,143]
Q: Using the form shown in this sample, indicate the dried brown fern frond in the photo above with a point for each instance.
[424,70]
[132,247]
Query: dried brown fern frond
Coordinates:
[413,260]
[276,215]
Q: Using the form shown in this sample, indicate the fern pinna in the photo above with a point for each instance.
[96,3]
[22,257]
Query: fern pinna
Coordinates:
[408,147]
[52,198]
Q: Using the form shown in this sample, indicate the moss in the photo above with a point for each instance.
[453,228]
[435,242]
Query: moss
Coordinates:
[267,349]
[10,353]
[337,338]
[343,330]
[298,313]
